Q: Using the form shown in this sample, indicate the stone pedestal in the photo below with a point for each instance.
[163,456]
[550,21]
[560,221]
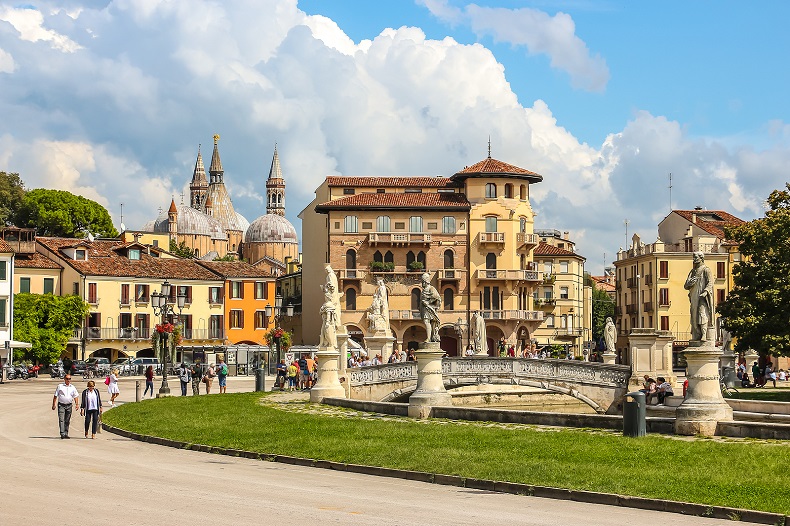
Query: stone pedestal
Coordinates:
[380,344]
[751,356]
[609,358]
[650,353]
[342,359]
[430,387]
[328,384]
[728,368]
[704,406]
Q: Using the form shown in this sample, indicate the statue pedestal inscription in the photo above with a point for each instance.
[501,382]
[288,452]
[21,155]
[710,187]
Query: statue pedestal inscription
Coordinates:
[704,406]
[328,384]
[430,390]
[650,353]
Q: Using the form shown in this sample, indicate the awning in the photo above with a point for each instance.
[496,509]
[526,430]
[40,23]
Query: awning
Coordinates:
[13,344]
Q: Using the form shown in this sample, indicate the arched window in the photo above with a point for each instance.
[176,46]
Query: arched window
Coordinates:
[522,192]
[421,258]
[490,260]
[448,299]
[351,299]
[415,299]
[550,320]
[522,224]
[563,322]
[449,259]
[490,190]
[509,191]
[378,257]
[410,258]
[388,257]
[383,224]
[351,258]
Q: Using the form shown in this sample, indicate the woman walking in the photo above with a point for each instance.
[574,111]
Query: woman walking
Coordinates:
[112,387]
[90,407]
[209,377]
[149,381]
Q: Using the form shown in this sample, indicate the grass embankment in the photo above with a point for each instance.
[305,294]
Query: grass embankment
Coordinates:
[738,473]
[765,394]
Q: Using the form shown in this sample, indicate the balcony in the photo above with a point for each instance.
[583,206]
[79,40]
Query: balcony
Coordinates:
[392,238]
[351,274]
[141,333]
[630,309]
[525,315]
[648,279]
[491,238]
[545,303]
[450,274]
[509,275]
[648,306]
[631,282]
[526,241]
[568,333]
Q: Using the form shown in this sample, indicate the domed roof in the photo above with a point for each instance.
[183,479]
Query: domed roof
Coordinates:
[191,222]
[243,223]
[271,228]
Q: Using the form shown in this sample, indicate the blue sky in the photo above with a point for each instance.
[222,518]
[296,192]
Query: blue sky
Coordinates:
[110,99]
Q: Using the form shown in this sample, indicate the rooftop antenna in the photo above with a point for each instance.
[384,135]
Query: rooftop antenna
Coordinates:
[489,146]
[670,192]
[625,222]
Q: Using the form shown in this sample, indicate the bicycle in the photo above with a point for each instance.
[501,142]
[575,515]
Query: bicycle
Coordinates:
[727,391]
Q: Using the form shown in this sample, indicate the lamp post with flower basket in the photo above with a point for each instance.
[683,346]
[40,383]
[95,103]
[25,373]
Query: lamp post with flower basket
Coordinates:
[280,337]
[166,335]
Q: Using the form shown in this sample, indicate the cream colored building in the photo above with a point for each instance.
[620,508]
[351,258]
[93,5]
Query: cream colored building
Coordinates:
[472,233]
[651,276]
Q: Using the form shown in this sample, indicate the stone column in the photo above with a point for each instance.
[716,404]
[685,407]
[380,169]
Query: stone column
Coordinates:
[380,344]
[704,406]
[610,358]
[328,384]
[342,359]
[650,353]
[430,387]
[751,356]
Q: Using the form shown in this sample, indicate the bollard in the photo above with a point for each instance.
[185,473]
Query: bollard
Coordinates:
[634,424]
[137,390]
[260,379]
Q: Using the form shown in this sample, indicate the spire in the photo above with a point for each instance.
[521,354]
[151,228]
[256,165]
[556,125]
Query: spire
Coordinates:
[215,170]
[172,209]
[275,187]
[275,172]
[199,175]
[199,184]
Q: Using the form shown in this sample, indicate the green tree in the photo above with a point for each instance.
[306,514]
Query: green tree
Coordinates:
[181,250]
[12,191]
[46,321]
[602,308]
[226,257]
[62,214]
[756,310]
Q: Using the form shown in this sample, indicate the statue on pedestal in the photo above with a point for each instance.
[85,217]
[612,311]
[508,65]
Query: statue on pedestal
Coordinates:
[609,335]
[699,283]
[478,332]
[329,315]
[430,301]
[379,312]
[331,280]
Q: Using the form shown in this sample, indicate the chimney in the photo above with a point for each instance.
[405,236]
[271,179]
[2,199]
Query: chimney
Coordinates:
[566,235]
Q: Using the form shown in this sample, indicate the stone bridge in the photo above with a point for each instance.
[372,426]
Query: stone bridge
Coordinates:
[601,386]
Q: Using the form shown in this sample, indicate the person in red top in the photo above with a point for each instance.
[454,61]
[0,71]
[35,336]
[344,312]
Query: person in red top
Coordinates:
[149,381]
[310,372]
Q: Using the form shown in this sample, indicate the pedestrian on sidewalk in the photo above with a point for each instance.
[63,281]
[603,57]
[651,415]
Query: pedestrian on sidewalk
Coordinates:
[65,395]
[184,376]
[113,389]
[222,376]
[196,374]
[90,408]
[149,381]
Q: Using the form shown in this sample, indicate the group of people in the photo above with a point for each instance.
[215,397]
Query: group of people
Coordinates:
[299,374]
[89,404]
[761,375]
[658,389]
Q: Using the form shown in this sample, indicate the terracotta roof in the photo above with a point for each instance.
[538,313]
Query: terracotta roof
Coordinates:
[389,182]
[35,260]
[490,166]
[235,269]
[172,208]
[711,221]
[409,201]
[601,283]
[544,249]
[5,247]
[103,260]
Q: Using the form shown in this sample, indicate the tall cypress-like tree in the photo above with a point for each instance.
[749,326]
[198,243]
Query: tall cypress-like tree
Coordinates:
[757,310]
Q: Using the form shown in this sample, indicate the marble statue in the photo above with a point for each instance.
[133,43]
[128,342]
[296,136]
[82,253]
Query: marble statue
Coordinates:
[430,301]
[478,334]
[381,294]
[329,315]
[726,340]
[331,279]
[609,335]
[379,312]
[699,283]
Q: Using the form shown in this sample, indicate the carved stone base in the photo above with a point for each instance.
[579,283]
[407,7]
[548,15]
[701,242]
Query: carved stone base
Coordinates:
[609,358]
[380,345]
[704,406]
[328,384]
[430,390]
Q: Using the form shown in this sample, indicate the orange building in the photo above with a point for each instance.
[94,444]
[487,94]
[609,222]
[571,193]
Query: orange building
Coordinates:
[247,292]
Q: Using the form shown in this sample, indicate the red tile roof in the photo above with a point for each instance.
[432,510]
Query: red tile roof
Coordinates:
[544,249]
[711,221]
[5,247]
[389,182]
[442,200]
[601,283]
[35,260]
[235,269]
[103,260]
[491,166]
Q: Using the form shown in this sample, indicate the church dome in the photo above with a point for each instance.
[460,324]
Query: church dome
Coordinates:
[243,223]
[271,228]
[191,222]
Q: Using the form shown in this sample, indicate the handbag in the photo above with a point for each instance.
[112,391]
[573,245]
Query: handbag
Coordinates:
[205,379]
[107,381]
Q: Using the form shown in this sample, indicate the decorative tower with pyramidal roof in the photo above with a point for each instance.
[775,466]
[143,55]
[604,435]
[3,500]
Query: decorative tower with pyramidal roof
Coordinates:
[275,187]
[199,185]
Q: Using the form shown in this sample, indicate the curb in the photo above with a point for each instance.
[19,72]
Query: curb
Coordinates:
[514,488]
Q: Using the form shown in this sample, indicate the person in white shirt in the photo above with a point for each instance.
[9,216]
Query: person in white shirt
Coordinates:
[91,407]
[66,397]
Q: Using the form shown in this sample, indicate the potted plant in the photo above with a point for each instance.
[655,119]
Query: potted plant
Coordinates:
[376,266]
[416,266]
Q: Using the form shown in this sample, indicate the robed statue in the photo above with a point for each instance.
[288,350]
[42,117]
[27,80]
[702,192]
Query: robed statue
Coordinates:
[609,335]
[430,301]
[700,287]
[478,332]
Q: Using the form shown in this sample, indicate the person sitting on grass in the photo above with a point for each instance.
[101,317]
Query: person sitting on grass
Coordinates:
[745,380]
[664,389]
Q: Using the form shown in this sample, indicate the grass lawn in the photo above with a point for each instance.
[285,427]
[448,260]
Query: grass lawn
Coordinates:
[705,471]
[766,394]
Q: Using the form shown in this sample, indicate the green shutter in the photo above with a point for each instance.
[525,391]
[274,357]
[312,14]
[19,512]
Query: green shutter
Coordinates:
[49,286]
[24,284]
[2,313]
[3,271]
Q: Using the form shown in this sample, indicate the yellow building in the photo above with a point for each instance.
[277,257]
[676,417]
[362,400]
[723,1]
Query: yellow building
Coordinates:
[650,278]
[472,233]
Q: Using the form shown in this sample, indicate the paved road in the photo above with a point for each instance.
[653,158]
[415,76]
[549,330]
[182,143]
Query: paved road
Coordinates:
[112,480]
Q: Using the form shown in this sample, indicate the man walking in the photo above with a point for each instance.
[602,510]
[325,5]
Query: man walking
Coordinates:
[222,375]
[184,377]
[197,376]
[66,397]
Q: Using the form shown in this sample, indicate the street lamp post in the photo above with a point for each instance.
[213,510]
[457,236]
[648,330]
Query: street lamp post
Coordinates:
[278,311]
[160,301]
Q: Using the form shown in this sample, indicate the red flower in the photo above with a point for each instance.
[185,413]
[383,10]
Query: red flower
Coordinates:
[278,332]
[164,327]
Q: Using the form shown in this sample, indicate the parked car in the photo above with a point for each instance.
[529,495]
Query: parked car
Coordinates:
[141,364]
[78,367]
[124,366]
[102,365]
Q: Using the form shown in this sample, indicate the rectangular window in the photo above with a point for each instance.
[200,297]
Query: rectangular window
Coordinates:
[663,297]
[261,321]
[351,226]
[720,296]
[432,226]
[92,293]
[367,225]
[720,272]
[550,321]
[125,294]
[141,293]
[215,295]
[236,319]
[547,268]
[383,224]
[49,285]
[415,224]
[400,226]
[24,284]
[134,253]
[75,289]
[3,271]
[563,267]
[260,290]
[79,255]
[664,323]
[448,225]
[348,191]
[215,328]
[547,294]
[236,290]
[491,224]
[663,269]
[3,322]
[186,291]
[563,293]
[412,190]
